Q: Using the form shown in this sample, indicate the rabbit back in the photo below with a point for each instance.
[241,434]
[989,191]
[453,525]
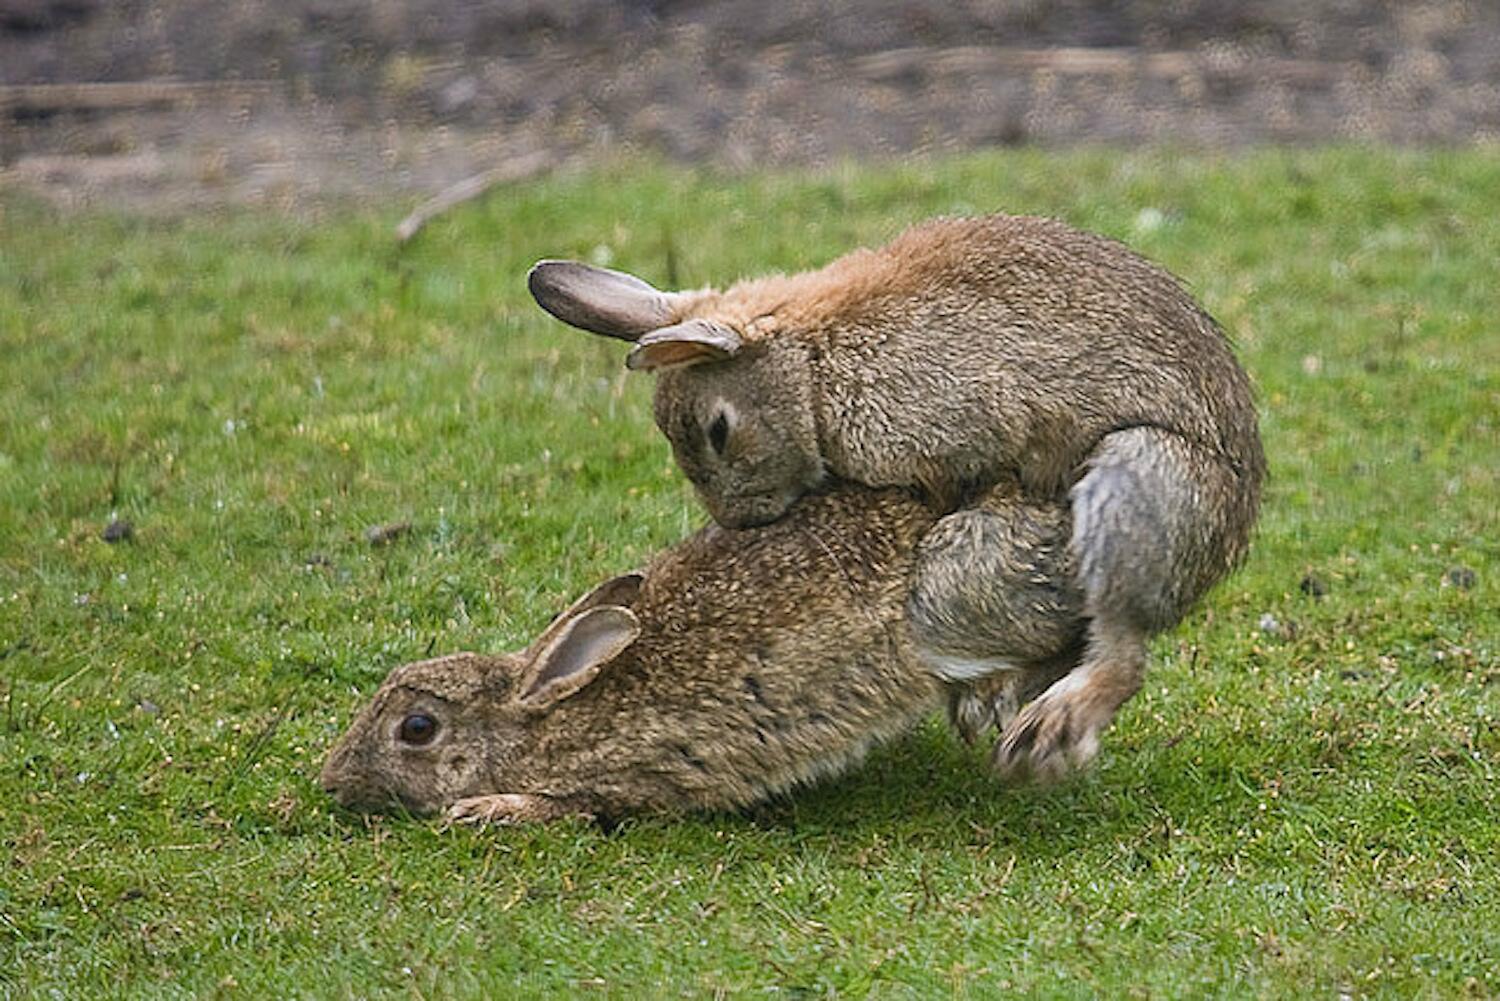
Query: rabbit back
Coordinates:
[765,658]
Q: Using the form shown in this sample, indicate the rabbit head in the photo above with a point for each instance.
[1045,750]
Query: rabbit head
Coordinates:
[425,738]
[737,408]
[463,725]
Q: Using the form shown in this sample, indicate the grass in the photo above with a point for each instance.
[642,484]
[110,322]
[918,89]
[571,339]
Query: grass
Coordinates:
[1303,802]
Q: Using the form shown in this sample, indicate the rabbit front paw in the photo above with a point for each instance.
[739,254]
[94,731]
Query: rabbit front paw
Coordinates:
[506,808]
[976,706]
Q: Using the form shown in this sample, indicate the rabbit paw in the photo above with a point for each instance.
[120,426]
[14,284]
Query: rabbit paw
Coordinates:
[503,808]
[1055,734]
[976,706]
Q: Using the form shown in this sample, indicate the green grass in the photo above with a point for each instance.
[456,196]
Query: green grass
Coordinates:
[1305,811]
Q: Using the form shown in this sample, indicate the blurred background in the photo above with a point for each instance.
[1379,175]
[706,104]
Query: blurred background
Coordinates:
[172,103]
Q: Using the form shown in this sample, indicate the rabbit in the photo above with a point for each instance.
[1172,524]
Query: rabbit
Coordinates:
[967,351]
[739,664]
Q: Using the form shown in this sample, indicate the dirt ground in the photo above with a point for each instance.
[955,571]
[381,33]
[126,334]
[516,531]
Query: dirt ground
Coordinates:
[183,103]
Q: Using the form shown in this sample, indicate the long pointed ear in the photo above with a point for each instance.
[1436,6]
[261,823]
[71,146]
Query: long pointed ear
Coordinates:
[599,300]
[577,653]
[689,343]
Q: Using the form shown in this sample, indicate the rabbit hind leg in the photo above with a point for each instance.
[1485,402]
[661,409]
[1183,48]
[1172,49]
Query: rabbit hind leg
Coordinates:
[1149,536]
[994,701]
[993,601]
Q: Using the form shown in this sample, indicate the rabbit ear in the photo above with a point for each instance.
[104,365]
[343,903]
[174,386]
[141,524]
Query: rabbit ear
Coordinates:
[577,653]
[687,343]
[598,300]
[621,590]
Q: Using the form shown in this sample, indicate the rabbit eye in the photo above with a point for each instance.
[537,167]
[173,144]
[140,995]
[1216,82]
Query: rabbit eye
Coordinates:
[718,433]
[418,729]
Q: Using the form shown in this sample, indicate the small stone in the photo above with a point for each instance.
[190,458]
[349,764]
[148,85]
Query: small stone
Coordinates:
[1270,625]
[148,707]
[1462,578]
[118,530]
[1150,219]
[1313,586]
[383,535]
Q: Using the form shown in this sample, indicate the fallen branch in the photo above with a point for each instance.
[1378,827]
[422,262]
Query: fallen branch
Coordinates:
[1081,61]
[520,169]
[50,98]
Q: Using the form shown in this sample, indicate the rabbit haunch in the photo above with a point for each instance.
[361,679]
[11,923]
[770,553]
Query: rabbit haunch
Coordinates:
[739,664]
[964,354]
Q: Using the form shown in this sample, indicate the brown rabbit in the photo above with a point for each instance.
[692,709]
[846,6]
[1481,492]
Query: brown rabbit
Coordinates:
[739,664]
[966,352]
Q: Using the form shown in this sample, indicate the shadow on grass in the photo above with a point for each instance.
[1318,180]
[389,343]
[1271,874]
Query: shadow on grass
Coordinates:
[929,786]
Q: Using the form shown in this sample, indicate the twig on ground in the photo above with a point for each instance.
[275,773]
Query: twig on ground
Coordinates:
[522,168]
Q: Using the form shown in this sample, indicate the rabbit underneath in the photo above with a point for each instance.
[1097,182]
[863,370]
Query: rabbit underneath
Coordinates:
[965,353]
[737,665]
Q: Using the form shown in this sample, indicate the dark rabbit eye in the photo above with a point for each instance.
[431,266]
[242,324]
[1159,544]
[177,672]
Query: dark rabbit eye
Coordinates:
[718,433]
[418,729]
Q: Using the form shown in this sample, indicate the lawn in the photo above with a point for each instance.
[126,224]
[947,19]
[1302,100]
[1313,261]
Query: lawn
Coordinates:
[1302,802]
